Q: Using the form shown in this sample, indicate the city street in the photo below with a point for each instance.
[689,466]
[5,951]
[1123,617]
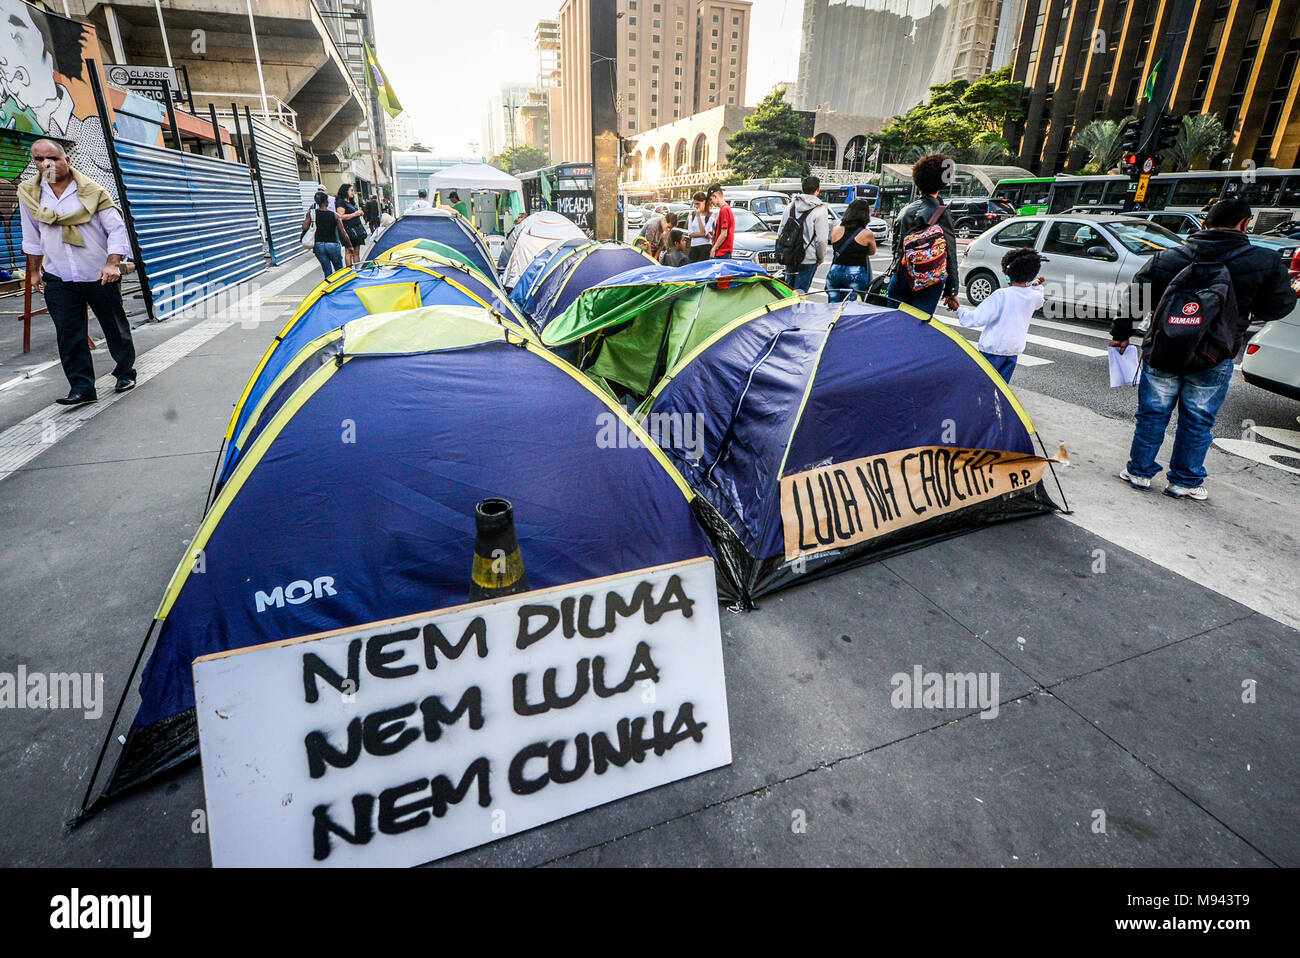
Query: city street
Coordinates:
[1123,633]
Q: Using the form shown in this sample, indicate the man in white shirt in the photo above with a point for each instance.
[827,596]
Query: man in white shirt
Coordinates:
[421,204]
[77,240]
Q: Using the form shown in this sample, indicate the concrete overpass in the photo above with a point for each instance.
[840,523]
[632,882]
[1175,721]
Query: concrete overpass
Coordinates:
[301,63]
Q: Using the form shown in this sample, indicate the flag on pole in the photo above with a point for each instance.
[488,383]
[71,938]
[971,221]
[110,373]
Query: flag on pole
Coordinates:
[1149,91]
[875,154]
[376,80]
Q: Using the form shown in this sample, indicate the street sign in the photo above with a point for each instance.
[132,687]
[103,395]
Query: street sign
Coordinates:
[1148,165]
[407,740]
[139,78]
[1141,193]
[151,87]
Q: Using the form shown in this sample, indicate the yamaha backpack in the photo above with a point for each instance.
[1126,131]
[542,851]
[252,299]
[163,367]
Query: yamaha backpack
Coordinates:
[1194,326]
[925,255]
[790,245]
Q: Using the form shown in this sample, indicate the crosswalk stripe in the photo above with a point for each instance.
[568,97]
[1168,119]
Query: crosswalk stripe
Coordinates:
[1066,347]
[1028,360]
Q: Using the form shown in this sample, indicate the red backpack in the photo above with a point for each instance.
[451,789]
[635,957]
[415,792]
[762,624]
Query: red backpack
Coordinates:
[925,254]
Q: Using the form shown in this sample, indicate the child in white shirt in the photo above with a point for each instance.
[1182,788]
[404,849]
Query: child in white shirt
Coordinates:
[1005,315]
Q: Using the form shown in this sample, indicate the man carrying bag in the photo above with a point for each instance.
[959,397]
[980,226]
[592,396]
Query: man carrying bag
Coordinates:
[1206,292]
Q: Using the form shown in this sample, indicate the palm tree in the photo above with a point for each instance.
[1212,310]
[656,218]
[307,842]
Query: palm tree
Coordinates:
[1201,137]
[1104,142]
[915,152]
[985,153]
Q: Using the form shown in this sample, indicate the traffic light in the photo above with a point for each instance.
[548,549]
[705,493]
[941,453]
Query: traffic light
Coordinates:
[1167,131]
[1130,133]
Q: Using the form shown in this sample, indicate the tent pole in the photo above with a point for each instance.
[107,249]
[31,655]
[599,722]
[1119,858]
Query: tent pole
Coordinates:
[1067,511]
[112,727]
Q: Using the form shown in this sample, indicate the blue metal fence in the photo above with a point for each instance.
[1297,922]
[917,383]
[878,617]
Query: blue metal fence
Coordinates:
[278,165]
[196,220]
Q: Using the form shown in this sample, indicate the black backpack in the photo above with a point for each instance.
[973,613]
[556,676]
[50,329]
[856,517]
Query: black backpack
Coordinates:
[790,245]
[1194,326]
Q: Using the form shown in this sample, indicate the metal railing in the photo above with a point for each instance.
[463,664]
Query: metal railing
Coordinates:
[277,110]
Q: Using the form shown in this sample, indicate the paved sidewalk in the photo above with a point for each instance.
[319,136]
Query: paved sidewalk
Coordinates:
[1119,690]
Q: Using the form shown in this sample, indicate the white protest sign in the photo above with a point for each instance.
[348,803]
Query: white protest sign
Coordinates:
[403,741]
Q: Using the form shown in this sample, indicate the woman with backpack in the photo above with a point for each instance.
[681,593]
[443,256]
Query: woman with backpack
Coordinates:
[852,246]
[925,246]
[350,213]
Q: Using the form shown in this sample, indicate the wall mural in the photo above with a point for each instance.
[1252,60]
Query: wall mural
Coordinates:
[44,91]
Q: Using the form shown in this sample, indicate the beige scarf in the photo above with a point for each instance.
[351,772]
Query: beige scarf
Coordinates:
[93,197]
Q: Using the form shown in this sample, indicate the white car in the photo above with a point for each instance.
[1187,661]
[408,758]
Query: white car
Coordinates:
[1089,259]
[1272,359]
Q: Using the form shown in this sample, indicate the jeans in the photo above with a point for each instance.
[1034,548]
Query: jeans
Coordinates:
[67,303]
[801,278]
[330,257]
[847,282]
[1198,398]
[926,300]
[1005,365]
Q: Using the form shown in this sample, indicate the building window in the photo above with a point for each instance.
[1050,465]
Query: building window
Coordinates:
[715,33]
[657,24]
[631,35]
[654,38]
[654,54]
[680,41]
[716,18]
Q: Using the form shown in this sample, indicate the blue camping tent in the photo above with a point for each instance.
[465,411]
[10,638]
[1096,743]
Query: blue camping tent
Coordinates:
[819,435]
[449,408]
[573,270]
[445,226]
[523,287]
[419,280]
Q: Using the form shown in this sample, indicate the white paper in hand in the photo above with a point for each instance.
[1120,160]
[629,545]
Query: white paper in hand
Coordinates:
[1124,366]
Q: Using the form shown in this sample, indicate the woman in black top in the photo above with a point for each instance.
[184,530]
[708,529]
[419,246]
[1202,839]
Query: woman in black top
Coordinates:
[328,226]
[346,205]
[853,244]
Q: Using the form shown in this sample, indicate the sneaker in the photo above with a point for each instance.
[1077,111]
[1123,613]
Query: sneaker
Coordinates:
[1187,492]
[76,399]
[124,385]
[1137,482]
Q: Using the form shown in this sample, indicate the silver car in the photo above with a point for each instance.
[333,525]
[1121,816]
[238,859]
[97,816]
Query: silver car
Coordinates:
[1089,260]
[1272,359]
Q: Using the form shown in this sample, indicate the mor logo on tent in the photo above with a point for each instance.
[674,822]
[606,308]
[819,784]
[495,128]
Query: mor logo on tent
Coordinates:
[295,593]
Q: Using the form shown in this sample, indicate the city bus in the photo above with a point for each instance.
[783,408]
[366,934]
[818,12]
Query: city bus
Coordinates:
[1028,194]
[1274,194]
[567,188]
[839,193]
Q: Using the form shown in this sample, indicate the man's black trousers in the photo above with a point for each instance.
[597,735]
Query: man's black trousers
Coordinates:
[68,303]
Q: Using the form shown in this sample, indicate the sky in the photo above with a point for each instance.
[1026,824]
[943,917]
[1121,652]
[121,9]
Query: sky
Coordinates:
[445,59]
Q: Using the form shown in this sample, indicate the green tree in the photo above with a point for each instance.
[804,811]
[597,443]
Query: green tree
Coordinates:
[770,143]
[522,158]
[1104,142]
[1201,137]
[958,114]
[419,148]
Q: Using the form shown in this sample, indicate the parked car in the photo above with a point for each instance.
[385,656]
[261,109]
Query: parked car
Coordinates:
[755,242]
[1272,359]
[635,217]
[972,215]
[767,205]
[1088,259]
[1184,224]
